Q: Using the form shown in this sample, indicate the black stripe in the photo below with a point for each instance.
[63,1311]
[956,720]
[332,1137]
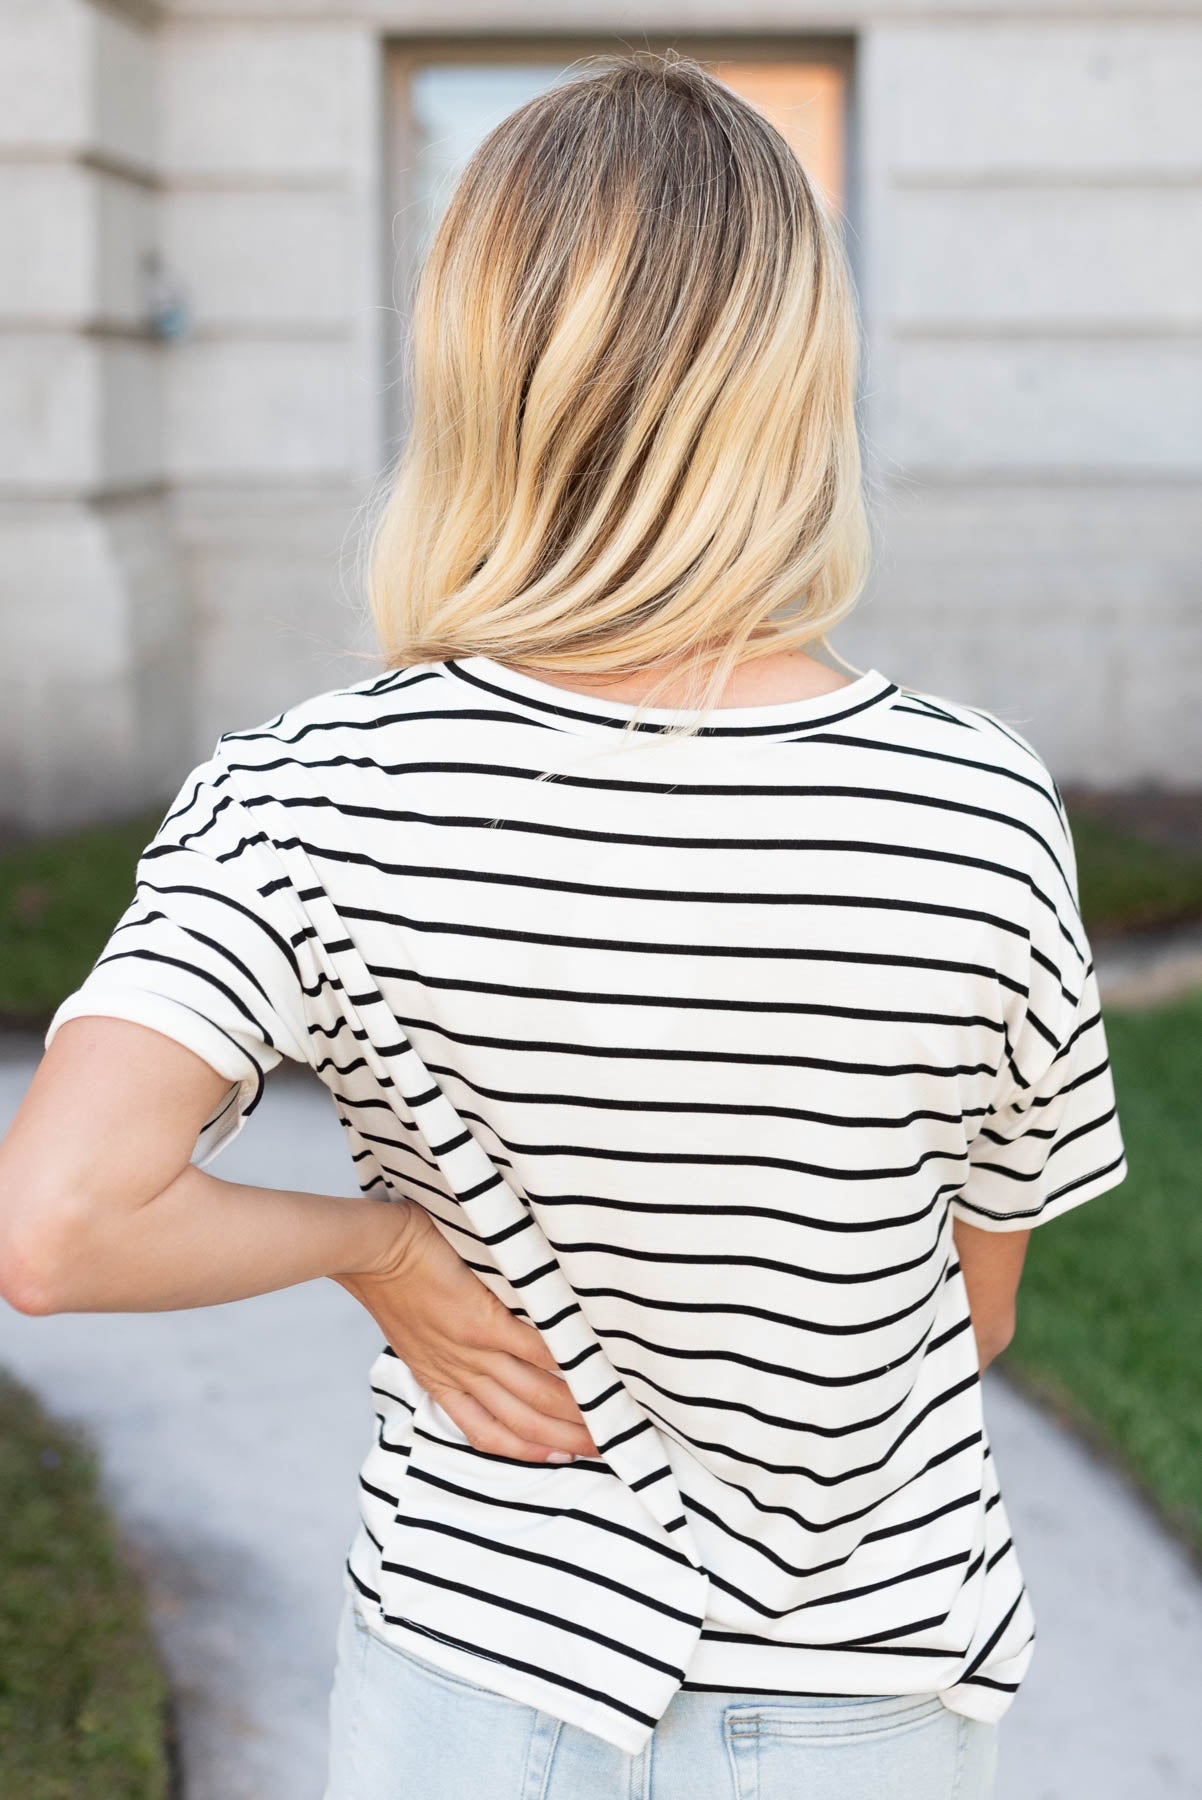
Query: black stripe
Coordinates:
[795,1425]
[736,1109]
[486,1654]
[840,1598]
[820,1525]
[542,1560]
[507,1503]
[619,784]
[636,947]
[564,711]
[688,1002]
[669,1053]
[505,1603]
[835,846]
[838,1562]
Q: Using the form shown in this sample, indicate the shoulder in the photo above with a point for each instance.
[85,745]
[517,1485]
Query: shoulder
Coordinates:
[306,730]
[990,764]
[978,737]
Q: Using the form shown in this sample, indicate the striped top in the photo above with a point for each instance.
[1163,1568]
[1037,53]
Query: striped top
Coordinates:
[694,1050]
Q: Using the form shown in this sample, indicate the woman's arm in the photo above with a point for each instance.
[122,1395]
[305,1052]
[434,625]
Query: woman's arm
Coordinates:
[992,1262]
[101,1210]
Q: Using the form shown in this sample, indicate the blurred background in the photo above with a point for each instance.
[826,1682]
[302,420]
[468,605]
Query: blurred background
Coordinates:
[211,215]
[211,210]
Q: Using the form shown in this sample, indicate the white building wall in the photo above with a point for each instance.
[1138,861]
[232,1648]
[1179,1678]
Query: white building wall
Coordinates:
[1032,204]
[1025,222]
[93,659]
[272,171]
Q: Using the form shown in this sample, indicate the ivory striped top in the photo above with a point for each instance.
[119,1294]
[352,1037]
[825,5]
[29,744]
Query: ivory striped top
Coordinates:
[694,1049]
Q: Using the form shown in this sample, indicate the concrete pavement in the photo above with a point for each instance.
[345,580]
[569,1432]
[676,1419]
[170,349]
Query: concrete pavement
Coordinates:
[236,1485]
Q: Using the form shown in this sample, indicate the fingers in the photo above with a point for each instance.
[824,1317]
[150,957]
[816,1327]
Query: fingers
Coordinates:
[528,1422]
[526,1342]
[530,1391]
[546,1393]
[485,1432]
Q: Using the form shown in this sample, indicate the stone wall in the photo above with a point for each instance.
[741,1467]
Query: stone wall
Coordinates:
[1031,202]
[94,666]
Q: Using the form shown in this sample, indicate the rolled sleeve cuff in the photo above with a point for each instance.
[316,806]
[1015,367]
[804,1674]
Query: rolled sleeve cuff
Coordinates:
[1062,1200]
[186,1026]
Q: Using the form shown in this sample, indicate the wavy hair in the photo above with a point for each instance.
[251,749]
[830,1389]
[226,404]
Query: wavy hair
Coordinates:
[633,437]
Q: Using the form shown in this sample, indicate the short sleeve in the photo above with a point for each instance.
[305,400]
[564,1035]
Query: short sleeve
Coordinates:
[209,950]
[1052,1138]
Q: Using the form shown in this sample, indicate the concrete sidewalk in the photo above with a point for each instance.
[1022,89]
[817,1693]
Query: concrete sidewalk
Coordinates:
[237,1488]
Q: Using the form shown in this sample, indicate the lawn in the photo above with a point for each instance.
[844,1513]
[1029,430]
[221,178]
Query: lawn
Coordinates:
[1110,1322]
[59,899]
[83,1700]
[1128,880]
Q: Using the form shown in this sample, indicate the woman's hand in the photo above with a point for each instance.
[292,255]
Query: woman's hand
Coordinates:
[491,1373]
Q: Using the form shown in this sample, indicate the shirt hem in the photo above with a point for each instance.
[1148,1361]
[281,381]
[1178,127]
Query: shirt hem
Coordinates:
[968,1699]
[590,1715]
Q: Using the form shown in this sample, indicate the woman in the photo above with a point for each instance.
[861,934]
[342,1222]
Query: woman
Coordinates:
[715,1026]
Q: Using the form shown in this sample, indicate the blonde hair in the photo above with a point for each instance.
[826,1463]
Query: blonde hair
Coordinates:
[634,356]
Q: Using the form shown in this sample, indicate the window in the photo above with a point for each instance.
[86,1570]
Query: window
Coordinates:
[444,98]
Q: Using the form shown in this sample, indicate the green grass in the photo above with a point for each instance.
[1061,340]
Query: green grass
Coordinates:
[1110,1319]
[83,1700]
[1128,882]
[59,900]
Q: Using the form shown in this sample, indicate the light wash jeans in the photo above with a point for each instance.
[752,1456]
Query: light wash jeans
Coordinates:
[401,1729]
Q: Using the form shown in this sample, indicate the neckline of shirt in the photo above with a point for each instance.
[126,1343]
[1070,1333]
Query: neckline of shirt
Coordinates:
[569,710]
